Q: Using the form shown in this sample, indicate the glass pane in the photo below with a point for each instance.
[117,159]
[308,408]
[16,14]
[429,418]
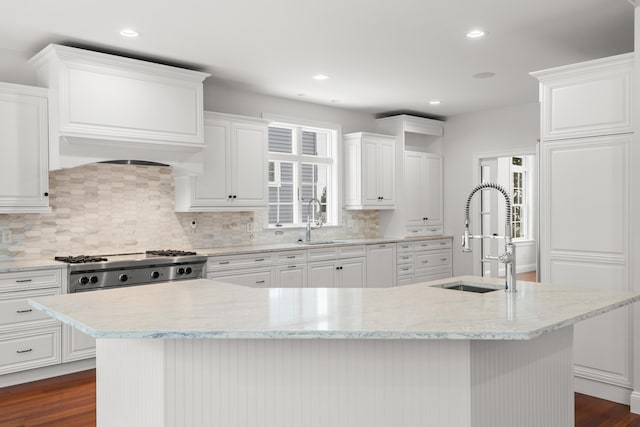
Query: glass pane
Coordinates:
[516,214]
[286,214]
[517,161]
[273,214]
[306,193]
[322,144]
[286,172]
[517,197]
[273,194]
[286,193]
[280,140]
[272,172]
[309,143]
[308,172]
[516,230]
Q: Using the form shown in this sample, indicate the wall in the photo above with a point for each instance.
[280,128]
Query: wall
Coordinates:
[497,130]
[103,209]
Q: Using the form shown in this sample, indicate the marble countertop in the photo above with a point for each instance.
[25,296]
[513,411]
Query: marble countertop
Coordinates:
[210,309]
[249,249]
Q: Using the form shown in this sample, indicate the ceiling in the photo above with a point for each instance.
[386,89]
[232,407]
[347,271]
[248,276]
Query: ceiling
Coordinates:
[381,56]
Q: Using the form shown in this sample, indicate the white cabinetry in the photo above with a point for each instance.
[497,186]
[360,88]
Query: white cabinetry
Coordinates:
[248,270]
[369,171]
[585,210]
[234,174]
[423,190]
[381,265]
[28,338]
[337,267]
[24,179]
[106,107]
[423,261]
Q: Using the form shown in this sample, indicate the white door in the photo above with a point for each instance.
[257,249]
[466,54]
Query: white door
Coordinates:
[413,182]
[352,273]
[322,274]
[381,266]
[213,188]
[432,209]
[370,178]
[386,171]
[248,165]
[291,276]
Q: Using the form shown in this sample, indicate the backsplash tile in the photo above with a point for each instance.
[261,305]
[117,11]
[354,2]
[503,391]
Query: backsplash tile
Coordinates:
[105,208]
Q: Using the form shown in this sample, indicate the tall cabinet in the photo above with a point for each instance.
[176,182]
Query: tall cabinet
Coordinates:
[585,186]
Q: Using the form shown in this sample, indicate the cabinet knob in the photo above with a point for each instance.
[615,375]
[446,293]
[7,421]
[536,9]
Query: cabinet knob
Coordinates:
[234,196]
[46,194]
[230,196]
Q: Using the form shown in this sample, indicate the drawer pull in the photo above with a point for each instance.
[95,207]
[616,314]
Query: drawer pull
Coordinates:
[23,281]
[443,259]
[291,257]
[434,229]
[292,266]
[259,259]
[223,262]
[443,243]
[382,246]
[24,351]
[29,310]
[425,262]
[404,257]
[258,282]
[405,269]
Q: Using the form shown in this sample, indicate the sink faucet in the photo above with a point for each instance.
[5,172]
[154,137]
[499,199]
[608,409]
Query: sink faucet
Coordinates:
[318,222]
[508,258]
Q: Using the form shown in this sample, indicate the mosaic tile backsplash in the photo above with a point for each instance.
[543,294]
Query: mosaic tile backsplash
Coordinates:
[104,209]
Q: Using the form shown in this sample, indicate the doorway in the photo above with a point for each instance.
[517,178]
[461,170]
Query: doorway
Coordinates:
[517,173]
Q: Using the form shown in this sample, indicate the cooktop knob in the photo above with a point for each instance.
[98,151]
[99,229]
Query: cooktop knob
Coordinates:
[181,270]
[84,280]
[123,278]
[155,275]
[188,270]
[94,279]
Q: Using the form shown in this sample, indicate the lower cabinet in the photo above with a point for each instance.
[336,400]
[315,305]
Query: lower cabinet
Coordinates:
[29,349]
[381,265]
[423,261]
[257,277]
[290,276]
[340,273]
[76,345]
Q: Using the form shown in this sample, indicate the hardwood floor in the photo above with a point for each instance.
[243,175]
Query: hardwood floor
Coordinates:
[70,401]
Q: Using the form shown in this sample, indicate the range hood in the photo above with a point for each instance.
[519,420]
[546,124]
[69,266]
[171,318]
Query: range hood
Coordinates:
[104,107]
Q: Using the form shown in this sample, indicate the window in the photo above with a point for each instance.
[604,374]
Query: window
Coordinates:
[519,198]
[302,167]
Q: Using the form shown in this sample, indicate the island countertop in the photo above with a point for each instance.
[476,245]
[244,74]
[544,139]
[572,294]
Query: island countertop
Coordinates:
[210,309]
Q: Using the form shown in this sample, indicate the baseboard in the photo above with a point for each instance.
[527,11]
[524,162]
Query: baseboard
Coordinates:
[605,391]
[46,372]
[635,402]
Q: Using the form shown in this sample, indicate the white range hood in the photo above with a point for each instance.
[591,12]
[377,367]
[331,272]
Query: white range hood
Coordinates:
[104,107]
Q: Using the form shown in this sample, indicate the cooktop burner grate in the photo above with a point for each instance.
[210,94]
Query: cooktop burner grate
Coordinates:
[170,252]
[80,259]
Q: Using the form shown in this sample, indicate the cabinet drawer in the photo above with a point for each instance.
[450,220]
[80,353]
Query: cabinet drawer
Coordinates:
[322,253]
[290,256]
[32,349]
[435,276]
[424,230]
[15,311]
[405,280]
[34,279]
[352,251]
[433,259]
[405,258]
[430,271]
[257,278]
[404,269]
[238,261]
[405,247]
[433,244]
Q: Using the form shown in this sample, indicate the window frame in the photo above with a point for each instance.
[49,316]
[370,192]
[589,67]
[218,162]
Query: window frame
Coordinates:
[334,131]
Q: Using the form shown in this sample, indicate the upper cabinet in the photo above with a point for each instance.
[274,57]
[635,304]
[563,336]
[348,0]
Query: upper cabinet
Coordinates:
[24,178]
[369,171]
[587,99]
[423,187]
[234,176]
[107,107]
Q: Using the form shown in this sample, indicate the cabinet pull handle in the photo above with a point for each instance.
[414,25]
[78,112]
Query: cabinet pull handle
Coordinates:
[443,243]
[223,262]
[406,269]
[28,310]
[234,196]
[292,266]
[404,257]
[291,256]
[23,280]
[443,259]
[230,196]
[434,229]
[259,282]
[382,246]
[259,259]
[24,351]
[425,262]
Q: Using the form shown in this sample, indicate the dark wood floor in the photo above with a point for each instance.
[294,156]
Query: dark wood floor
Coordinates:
[70,401]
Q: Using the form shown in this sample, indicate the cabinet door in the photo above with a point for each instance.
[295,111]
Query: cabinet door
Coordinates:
[291,276]
[353,273]
[213,188]
[249,164]
[76,345]
[432,174]
[413,182]
[370,163]
[24,172]
[381,265]
[386,172]
[322,274]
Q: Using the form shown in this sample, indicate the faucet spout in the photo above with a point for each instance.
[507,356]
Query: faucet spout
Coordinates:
[508,258]
[317,221]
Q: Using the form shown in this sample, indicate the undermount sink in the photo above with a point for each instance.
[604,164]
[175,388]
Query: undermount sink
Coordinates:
[478,288]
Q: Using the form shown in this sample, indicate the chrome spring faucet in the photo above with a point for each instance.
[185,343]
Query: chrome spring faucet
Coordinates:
[318,222]
[508,258]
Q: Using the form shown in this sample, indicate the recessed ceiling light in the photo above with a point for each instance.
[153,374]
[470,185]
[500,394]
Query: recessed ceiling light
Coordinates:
[321,77]
[129,33]
[476,34]
[434,102]
[484,75]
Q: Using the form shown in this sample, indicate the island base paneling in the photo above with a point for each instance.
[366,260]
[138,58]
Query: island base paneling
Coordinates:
[331,382]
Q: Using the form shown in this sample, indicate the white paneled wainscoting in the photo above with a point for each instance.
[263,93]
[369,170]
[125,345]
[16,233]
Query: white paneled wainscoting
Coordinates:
[333,382]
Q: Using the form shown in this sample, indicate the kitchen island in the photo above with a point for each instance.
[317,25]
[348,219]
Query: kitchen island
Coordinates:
[205,353]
